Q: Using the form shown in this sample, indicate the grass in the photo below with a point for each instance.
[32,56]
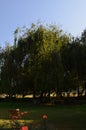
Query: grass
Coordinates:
[6,123]
[59,117]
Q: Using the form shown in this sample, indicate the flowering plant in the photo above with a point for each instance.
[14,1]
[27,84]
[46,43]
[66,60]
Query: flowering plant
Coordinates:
[16,114]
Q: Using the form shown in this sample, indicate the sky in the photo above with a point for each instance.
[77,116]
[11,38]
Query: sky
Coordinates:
[69,15]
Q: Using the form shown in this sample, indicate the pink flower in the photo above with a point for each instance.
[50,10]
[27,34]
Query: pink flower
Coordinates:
[24,113]
[44,116]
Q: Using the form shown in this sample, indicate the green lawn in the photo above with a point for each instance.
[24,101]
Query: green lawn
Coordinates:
[60,117]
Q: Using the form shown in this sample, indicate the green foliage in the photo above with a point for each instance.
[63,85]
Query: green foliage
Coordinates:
[43,60]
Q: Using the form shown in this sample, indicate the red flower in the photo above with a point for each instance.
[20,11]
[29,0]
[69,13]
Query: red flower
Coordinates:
[24,113]
[44,116]
[15,117]
[24,128]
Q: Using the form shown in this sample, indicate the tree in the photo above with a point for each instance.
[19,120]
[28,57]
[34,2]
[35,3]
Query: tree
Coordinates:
[35,64]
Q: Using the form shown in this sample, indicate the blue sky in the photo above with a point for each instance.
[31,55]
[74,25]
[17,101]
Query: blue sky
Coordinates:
[70,15]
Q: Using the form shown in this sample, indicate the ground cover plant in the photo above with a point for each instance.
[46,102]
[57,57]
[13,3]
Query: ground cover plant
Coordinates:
[66,117]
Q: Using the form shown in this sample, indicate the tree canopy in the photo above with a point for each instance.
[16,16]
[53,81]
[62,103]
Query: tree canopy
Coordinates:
[44,59]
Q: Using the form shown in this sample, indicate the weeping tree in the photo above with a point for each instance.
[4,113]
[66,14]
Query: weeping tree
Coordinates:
[45,59]
[35,64]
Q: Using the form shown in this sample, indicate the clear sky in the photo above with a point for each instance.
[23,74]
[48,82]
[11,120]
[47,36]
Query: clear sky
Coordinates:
[70,15]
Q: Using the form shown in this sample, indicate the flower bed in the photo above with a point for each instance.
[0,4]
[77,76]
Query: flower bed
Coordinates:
[17,122]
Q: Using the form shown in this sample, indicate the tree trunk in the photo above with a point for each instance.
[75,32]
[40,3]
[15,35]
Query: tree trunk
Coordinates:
[34,95]
[78,92]
[41,95]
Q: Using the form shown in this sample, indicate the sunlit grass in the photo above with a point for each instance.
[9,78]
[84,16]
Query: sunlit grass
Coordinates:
[7,123]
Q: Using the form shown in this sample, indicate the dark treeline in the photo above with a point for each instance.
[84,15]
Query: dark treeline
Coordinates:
[43,60]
